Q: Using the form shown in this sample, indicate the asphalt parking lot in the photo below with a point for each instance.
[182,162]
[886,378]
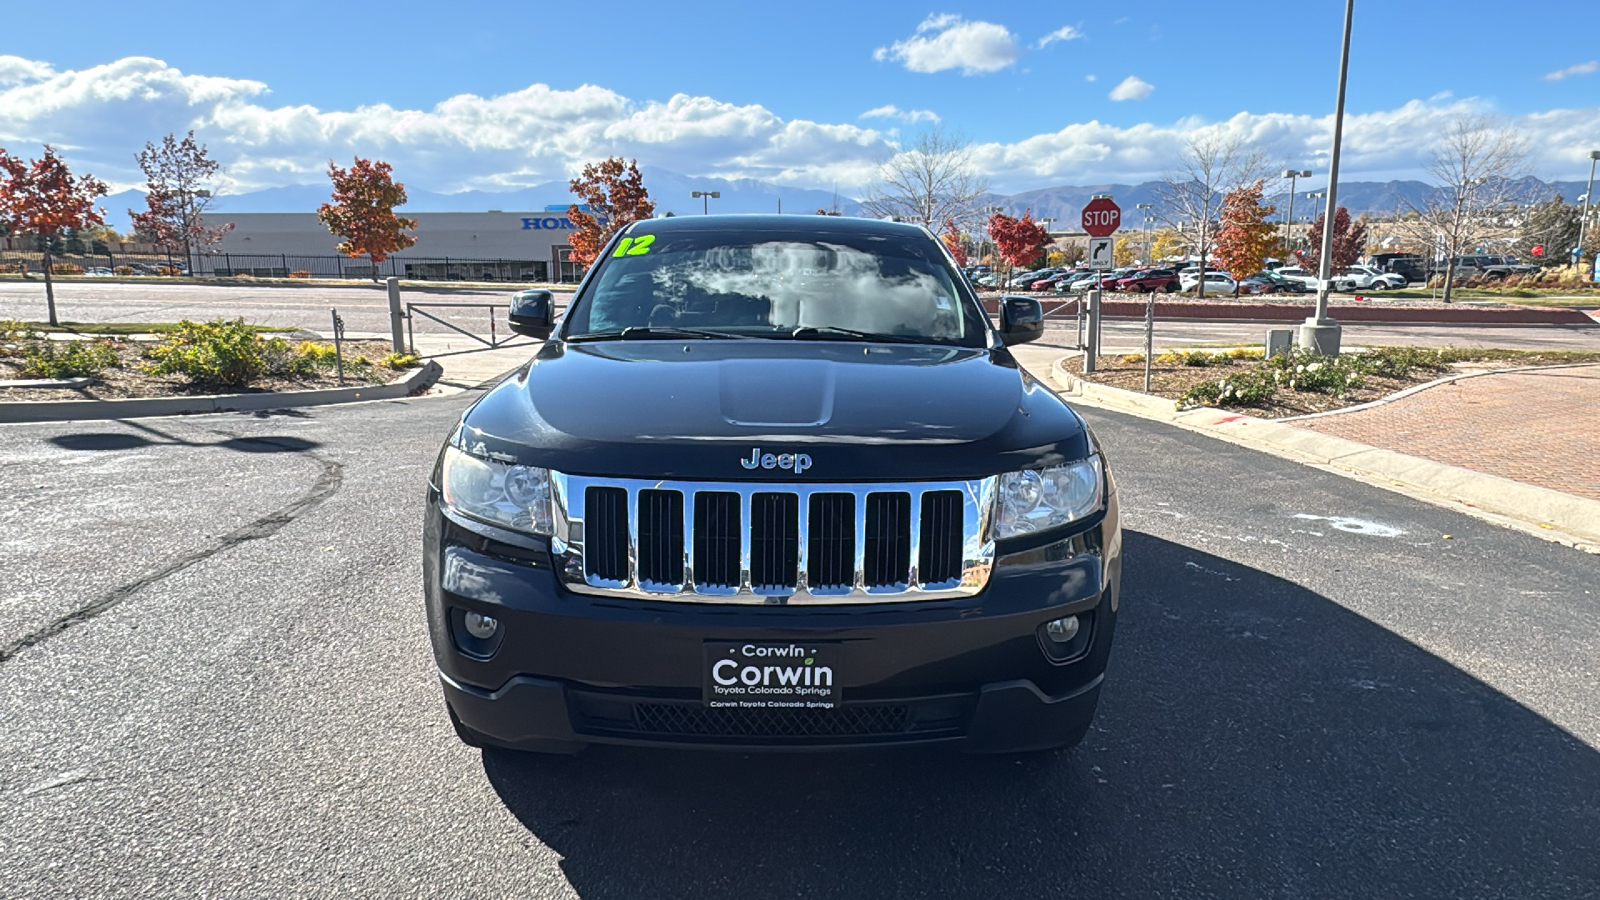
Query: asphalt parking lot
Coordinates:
[215,680]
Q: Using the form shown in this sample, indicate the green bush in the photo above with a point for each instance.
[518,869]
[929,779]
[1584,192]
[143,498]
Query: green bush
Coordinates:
[12,330]
[215,354]
[1399,362]
[411,360]
[1299,370]
[69,359]
[1248,388]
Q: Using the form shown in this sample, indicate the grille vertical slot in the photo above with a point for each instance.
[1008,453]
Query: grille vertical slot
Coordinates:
[605,533]
[774,541]
[716,539]
[888,540]
[660,537]
[831,543]
[940,551]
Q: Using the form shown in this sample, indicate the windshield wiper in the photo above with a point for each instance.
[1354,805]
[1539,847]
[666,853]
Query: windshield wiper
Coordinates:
[831,331]
[659,332]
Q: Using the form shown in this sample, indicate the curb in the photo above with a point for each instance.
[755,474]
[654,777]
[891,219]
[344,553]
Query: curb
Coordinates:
[21,411]
[1274,313]
[1552,515]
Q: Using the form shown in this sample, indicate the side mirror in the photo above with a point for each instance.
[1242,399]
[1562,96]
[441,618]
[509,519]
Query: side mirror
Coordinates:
[1021,320]
[532,313]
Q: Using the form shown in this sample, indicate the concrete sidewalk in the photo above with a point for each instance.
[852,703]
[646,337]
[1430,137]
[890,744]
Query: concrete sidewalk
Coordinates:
[467,363]
[1518,445]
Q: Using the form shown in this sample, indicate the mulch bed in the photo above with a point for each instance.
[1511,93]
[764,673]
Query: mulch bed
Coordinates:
[129,380]
[1173,381]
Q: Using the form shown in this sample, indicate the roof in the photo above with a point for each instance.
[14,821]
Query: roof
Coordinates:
[787,224]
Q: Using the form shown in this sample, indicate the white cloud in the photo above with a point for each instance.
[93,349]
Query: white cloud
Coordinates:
[1579,69]
[1064,33]
[890,111]
[1090,78]
[15,70]
[101,116]
[947,41]
[1132,88]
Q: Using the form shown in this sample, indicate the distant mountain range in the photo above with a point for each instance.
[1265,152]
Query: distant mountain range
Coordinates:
[1063,204]
[672,192]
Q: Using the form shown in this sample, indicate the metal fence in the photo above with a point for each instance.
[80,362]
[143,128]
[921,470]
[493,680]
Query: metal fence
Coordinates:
[282,265]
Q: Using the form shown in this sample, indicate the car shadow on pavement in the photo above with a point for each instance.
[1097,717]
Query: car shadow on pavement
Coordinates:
[1254,739]
[122,440]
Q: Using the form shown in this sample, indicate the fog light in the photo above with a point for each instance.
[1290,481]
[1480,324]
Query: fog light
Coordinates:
[1062,631]
[483,627]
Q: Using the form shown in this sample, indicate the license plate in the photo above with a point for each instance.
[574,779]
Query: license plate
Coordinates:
[770,675]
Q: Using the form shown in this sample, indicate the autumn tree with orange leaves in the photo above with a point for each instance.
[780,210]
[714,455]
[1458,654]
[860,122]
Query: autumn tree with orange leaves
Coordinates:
[1245,238]
[951,235]
[613,190]
[362,211]
[42,197]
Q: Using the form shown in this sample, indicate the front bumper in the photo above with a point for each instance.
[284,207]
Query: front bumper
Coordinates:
[571,669]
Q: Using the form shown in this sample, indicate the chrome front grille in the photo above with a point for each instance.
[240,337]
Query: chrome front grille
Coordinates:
[737,542]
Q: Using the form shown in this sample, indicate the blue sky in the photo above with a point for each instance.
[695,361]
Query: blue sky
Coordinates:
[778,91]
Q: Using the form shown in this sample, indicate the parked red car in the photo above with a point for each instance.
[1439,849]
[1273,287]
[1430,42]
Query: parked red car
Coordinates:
[1147,280]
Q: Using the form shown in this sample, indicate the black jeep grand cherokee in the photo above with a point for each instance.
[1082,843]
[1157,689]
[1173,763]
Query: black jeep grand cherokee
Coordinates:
[774,482]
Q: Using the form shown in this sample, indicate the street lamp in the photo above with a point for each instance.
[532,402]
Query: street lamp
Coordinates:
[705,204]
[1146,207]
[1583,220]
[1316,207]
[1288,220]
[1320,334]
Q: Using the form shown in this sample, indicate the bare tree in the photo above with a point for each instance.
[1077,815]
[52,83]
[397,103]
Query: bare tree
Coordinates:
[930,183]
[1191,193]
[182,180]
[1474,163]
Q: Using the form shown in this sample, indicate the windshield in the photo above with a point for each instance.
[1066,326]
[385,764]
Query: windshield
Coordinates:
[806,283]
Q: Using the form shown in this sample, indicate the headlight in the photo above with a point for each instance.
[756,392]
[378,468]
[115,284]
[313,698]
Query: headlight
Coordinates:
[1039,499]
[516,497]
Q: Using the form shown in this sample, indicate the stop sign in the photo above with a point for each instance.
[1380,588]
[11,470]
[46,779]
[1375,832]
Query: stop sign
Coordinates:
[1101,216]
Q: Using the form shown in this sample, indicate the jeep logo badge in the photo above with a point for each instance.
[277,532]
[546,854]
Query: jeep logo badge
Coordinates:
[799,462]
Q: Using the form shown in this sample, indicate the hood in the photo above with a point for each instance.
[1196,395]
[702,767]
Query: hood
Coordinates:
[694,409]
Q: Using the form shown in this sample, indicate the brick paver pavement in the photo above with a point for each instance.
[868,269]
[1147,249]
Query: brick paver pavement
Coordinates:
[1539,428]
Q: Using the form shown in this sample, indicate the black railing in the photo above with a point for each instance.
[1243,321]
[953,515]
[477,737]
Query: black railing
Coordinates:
[289,265]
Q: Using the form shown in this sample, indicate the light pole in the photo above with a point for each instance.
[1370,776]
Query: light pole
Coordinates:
[1320,334]
[1583,220]
[1145,208]
[1288,220]
[705,204]
[1316,206]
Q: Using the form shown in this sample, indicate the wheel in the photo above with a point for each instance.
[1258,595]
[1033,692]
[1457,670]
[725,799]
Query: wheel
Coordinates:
[1169,287]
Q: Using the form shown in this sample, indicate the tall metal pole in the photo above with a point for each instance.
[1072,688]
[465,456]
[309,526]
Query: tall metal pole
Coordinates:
[1319,333]
[1288,224]
[1583,220]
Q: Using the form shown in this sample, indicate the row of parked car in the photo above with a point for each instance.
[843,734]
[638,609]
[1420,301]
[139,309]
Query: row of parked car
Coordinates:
[1166,279]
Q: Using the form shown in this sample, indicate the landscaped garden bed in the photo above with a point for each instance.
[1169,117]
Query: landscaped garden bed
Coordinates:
[1300,383]
[217,357]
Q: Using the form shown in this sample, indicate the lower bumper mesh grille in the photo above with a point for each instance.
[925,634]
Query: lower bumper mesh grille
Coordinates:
[685,720]
[674,720]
